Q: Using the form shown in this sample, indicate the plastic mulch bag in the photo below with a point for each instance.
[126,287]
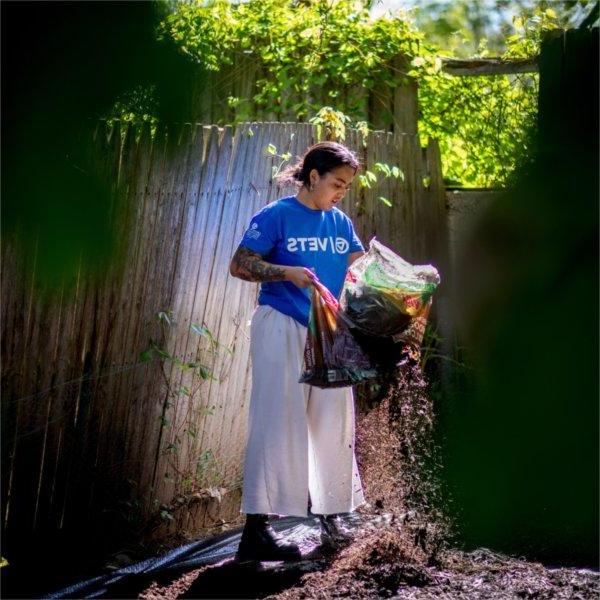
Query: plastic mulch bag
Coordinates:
[383,293]
[381,319]
[332,357]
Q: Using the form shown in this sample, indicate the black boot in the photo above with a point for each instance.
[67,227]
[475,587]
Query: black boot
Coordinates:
[259,542]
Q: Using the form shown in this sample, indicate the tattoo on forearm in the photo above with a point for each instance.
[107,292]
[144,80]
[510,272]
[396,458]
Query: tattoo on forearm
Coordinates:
[250,266]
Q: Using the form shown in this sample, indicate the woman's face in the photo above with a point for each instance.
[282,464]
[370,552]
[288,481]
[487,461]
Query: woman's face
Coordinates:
[330,187]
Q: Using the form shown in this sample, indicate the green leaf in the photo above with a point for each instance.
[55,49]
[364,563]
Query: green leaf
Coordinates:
[272,149]
[146,355]
[200,330]
[397,173]
[383,168]
[204,372]
[171,449]
[385,201]
[166,316]
[162,353]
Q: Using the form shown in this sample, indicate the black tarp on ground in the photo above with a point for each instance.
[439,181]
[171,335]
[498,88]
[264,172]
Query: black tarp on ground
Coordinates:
[232,579]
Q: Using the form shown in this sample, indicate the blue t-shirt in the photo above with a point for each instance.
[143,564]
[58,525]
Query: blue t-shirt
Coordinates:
[286,232]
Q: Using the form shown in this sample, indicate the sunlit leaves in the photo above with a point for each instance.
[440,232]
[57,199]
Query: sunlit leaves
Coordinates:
[397,173]
[316,53]
[367,178]
[333,121]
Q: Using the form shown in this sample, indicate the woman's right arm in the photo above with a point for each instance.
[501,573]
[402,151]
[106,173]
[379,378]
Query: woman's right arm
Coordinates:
[251,266]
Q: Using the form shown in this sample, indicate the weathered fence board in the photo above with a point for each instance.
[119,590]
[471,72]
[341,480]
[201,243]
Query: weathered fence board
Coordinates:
[392,108]
[90,429]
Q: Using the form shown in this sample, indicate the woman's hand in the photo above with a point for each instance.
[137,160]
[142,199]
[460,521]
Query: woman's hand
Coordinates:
[300,276]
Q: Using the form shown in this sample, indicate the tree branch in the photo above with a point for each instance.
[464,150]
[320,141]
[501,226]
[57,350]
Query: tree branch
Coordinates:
[489,66]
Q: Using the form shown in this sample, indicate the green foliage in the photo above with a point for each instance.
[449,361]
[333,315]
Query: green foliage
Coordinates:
[332,123]
[183,383]
[304,49]
[271,150]
[460,26]
[315,50]
[483,123]
[166,514]
[136,107]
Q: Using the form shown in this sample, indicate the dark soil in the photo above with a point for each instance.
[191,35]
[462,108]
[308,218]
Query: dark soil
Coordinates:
[384,564]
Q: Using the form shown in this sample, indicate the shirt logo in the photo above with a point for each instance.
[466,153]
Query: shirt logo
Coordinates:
[253,231]
[341,245]
[314,244]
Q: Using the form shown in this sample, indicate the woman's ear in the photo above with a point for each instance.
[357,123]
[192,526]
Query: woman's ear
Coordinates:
[313,176]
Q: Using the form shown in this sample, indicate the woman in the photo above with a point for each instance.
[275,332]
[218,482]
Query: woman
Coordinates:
[301,438]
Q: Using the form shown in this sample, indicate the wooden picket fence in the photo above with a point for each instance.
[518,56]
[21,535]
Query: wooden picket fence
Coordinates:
[95,427]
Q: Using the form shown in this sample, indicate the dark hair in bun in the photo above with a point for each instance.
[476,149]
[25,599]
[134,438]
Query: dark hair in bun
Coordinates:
[324,157]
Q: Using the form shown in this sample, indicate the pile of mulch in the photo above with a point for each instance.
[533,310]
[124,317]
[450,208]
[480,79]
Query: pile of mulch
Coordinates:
[387,565]
[175,589]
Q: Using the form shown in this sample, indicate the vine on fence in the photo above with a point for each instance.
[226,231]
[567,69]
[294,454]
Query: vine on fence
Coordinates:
[331,125]
[201,475]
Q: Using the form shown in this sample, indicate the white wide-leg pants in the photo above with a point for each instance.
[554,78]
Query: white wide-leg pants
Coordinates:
[300,438]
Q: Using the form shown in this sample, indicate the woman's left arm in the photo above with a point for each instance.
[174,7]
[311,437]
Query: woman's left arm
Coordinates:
[354,255]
